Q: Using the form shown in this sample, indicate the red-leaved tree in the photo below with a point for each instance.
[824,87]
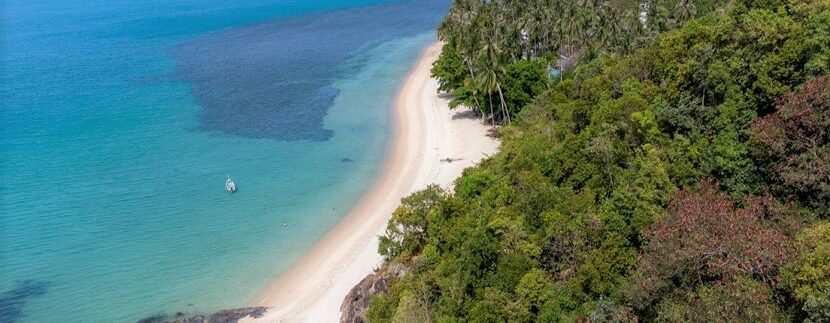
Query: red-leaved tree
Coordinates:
[792,145]
[704,238]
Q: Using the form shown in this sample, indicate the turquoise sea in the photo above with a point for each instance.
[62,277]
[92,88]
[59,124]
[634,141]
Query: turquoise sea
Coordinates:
[120,120]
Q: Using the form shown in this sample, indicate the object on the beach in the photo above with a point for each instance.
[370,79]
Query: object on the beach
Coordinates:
[450,160]
[230,185]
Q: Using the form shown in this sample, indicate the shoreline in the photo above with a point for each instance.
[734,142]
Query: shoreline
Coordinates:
[424,132]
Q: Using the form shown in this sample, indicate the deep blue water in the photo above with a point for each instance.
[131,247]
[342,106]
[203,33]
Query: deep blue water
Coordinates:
[120,121]
[273,79]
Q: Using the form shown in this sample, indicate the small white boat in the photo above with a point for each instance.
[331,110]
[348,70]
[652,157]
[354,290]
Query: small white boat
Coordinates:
[230,185]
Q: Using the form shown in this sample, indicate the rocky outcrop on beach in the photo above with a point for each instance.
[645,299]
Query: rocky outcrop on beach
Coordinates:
[223,316]
[353,309]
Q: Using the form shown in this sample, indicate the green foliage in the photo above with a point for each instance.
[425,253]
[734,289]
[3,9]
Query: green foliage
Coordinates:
[405,230]
[518,83]
[809,274]
[449,70]
[606,311]
[818,39]
[383,307]
[503,49]
[523,81]
[410,310]
[817,308]
[639,199]
[633,188]
[741,300]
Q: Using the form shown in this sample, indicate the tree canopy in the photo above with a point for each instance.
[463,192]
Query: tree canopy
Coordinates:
[679,179]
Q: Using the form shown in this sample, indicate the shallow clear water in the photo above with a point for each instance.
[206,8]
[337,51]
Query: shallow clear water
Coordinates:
[119,123]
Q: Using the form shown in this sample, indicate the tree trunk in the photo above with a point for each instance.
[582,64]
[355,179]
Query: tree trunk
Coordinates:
[477,108]
[473,77]
[492,115]
[503,104]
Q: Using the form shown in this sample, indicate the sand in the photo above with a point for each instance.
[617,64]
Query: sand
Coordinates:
[426,131]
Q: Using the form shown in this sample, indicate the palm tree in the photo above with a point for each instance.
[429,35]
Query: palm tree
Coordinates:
[490,67]
[657,17]
[460,29]
[684,11]
[570,26]
[489,34]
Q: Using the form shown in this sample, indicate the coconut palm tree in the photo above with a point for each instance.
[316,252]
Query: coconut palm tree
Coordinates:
[658,17]
[491,67]
[684,11]
[490,34]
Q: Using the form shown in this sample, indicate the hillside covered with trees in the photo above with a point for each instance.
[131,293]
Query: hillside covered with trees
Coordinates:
[679,171]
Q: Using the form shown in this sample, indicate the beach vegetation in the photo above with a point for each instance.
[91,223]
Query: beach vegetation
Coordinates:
[678,173]
[483,39]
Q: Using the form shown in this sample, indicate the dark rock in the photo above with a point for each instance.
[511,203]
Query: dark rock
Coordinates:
[353,309]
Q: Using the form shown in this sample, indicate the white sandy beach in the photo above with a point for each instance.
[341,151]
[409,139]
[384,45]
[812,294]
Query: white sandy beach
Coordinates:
[312,289]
